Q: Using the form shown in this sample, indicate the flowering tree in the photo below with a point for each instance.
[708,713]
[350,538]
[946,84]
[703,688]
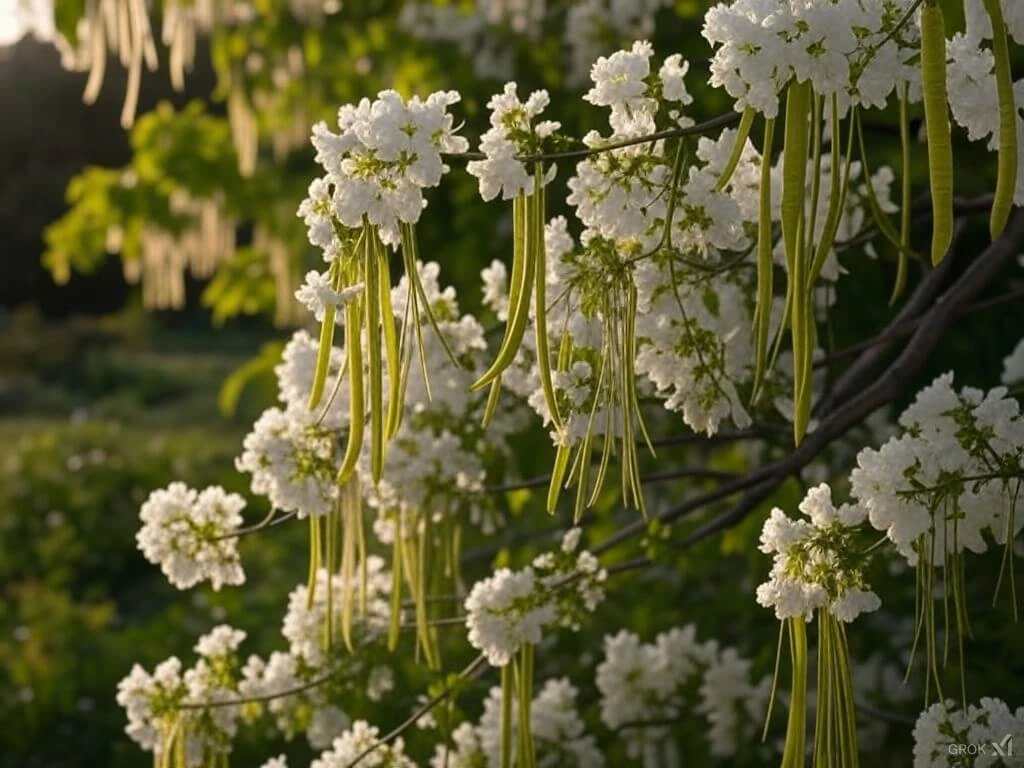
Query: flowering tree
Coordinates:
[693,273]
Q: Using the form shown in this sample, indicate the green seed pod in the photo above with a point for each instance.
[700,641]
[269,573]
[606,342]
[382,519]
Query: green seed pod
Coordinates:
[936,115]
[1007,179]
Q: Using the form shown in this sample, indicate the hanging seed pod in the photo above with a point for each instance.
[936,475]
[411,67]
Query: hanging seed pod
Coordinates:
[742,133]
[765,264]
[936,115]
[1007,179]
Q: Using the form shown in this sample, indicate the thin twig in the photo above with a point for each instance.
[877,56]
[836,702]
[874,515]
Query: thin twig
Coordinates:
[268,522]
[465,674]
[314,683]
[707,126]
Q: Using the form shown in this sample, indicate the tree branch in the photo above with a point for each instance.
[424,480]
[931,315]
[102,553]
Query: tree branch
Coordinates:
[707,126]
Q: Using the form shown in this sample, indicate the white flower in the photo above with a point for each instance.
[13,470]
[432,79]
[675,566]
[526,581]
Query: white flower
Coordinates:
[672,74]
[655,682]
[815,564]
[511,608]
[189,534]
[292,463]
[386,153]
[571,539]
[512,133]
[359,739]
[220,642]
[505,611]
[619,78]
[944,726]
[558,733]
[316,294]
[932,488]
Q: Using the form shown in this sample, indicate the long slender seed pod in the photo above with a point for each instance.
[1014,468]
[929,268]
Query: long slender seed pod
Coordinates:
[493,397]
[519,289]
[428,310]
[936,115]
[825,691]
[837,199]
[413,300]
[357,413]
[811,207]
[793,755]
[525,704]
[1006,181]
[801,319]
[563,454]
[794,190]
[905,191]
[535,234]
[765,264]
[331,525]
[506,716]
[422,618]
[880,218]
[558,476]
[794,165]
[349,531]
[314,559]
[392,348]
[742,132]
[395,625]
[582,478]
[323,357]
[609,428]
[371,274]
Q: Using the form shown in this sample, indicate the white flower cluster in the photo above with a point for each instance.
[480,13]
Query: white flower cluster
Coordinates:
[950,477]
[944,732]
[386,153]
[846,48]
[511,608]
[307,659]
[620,194]
[152,701]
[658,682]
[513,132]
[356,741]
[815,563]
[189,534]
[971,89]
[316,294]
[558,731]
[293,462]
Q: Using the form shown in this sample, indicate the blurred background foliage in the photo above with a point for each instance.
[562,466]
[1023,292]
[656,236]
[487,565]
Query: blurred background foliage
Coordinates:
[102,401]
